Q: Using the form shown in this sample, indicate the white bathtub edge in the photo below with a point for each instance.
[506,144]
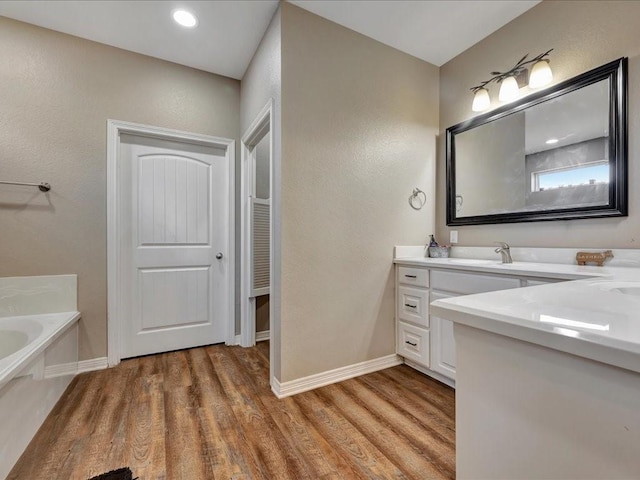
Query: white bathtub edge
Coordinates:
[31,351]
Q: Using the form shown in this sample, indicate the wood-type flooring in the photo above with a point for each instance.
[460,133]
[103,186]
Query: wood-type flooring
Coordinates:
[208,413]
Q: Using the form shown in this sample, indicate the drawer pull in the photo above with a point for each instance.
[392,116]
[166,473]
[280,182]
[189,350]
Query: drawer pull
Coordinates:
[410,343]
[411,276]
[409,305]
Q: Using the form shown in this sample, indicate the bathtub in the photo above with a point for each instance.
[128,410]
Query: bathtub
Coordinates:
[38,359]
[24,338]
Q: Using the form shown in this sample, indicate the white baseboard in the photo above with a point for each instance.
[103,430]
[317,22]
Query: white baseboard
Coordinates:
[74,368]
[431,373]
[292,387]
[61,370]
[262,336]
[99,363]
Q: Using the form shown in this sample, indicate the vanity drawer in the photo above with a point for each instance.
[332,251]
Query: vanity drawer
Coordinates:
[528,282]
[413,276]
[413,343]
[413,305]
[468,283]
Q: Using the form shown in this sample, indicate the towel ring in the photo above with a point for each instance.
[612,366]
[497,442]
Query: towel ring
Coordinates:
[417,199]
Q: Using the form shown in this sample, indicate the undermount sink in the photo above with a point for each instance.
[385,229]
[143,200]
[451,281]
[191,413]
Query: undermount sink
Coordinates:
[627,288]
[472,261]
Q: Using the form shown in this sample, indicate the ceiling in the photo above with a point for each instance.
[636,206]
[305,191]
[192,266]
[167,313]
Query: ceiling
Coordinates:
[229,31]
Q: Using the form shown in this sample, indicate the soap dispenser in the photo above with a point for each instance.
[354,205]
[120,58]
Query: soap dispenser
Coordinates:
[432,242]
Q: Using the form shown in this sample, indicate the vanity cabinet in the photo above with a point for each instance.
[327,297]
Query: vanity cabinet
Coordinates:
[445,284]
[425,340]
[412,314]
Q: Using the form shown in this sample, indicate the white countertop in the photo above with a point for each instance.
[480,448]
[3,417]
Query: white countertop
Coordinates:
[596,316]
[527,269]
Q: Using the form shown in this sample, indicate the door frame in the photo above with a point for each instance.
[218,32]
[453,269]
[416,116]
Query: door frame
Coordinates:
[261,126]
[115,128]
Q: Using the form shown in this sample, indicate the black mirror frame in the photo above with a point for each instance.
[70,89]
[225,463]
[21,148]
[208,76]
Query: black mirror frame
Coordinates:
[616,73]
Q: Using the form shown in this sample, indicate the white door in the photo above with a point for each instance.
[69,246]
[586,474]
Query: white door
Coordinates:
[174,237]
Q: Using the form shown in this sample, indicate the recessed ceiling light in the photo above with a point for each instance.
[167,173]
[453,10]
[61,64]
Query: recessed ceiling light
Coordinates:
[551,141]
[184,18]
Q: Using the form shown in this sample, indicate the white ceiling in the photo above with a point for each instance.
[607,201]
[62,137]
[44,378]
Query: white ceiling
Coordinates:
[229,31]
[435,31]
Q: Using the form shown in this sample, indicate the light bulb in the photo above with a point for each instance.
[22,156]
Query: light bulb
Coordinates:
[184,18]
[540,74]
[509,89]
[481,100]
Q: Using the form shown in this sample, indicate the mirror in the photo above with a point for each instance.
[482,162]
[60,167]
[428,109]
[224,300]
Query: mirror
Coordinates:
[557,154]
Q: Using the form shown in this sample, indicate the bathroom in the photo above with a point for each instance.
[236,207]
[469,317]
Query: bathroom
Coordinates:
[345,160]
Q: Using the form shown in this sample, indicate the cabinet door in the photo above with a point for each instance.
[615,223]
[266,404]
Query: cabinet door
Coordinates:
[443,345]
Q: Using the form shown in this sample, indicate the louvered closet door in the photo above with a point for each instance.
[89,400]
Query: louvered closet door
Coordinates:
[260,247]
[178,225]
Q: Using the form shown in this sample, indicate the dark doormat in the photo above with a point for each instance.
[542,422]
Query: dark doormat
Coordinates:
[119,474]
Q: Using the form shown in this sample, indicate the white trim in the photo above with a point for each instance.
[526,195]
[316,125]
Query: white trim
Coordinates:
[286,389]
[60,370]
[431,373]
[114,129]
[74,368]
[262,125]
[262,336]
[93,364]
[259,292]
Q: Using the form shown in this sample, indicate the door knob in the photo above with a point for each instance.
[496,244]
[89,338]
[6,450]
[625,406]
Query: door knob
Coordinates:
[219,255]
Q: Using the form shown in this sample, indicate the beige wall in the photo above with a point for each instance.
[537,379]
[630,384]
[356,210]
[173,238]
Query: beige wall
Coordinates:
[56,94]
[261,83]
[584,35]
[359,122]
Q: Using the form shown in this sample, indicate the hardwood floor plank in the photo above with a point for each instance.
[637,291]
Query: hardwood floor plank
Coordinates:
[414,430]
[382,433]
[209,413]
[146,452]
[320,456]
[182,443]
[222,443]
[354,447]
[432,419]
[264,437]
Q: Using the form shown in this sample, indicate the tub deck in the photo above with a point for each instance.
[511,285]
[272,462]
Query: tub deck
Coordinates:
[41,329]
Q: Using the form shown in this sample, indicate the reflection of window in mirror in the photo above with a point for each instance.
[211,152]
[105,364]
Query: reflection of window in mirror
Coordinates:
[576,175]
[596,173]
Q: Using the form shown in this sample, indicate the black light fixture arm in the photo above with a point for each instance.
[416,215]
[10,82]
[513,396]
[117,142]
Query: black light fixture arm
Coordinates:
[513,72]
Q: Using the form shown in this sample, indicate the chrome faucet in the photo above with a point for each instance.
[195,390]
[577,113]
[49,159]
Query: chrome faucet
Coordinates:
[505,251]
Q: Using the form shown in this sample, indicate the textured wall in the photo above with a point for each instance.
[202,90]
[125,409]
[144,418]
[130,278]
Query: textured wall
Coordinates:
[262,81]
[584,35]
[359,124]
[57,92]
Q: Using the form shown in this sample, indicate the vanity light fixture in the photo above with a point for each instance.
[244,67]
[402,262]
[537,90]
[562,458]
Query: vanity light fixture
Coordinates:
[184,18]
[540,75]
[512,80]
[481,100]
[509,89]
